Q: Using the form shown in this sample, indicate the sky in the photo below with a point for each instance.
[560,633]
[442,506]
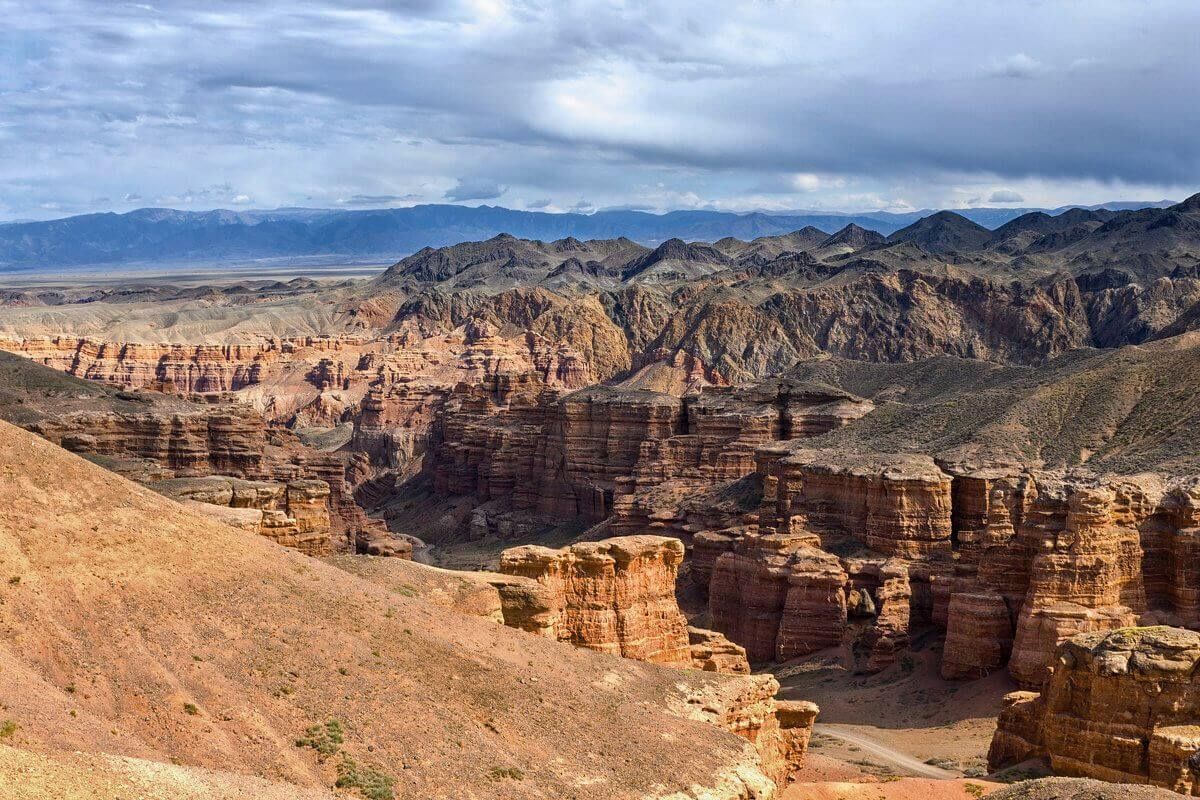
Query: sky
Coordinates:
[845,105]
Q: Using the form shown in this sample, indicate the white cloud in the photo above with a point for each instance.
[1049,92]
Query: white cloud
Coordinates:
[1018,65]
[1005,196]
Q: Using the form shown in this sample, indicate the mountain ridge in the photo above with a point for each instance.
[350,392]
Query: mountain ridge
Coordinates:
[163,235]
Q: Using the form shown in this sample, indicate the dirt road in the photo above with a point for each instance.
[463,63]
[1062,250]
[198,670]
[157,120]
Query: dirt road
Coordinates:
[895,757]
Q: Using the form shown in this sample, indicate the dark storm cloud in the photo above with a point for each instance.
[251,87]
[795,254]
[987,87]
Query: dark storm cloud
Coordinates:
[667,103]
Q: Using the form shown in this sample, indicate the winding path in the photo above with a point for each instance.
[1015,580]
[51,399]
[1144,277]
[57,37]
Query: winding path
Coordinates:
[891,755]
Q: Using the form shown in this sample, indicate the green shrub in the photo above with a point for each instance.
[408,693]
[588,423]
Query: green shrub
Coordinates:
[325,739]
[191,709]
[370,782]
[8,729]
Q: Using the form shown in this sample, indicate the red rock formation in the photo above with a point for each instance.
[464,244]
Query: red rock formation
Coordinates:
[638,456]
[220,440]
[897,505]
[981,636]
[778,729]
[615,596]
[888,636]
[181,368]
[295,514]
[1009,563]
[1086,571]
[1119,706]
[234,441]
[778,597]
[713,652]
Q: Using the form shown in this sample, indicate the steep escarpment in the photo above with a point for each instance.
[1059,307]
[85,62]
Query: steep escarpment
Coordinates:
[802,535]
[1010,564]
[632,454]
[614,596]
[1119,706]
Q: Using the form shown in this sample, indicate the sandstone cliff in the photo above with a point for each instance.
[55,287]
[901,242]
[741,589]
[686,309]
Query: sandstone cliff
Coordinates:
[614,596]
[1120,706]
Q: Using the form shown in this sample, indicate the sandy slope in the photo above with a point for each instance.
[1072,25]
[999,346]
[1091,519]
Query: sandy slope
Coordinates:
[131,627]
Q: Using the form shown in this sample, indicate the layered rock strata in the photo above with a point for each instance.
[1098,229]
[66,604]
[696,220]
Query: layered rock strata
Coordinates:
[314,509]
[1010,563]
[614,596]
[635,456]
[294,514]
[1120,706]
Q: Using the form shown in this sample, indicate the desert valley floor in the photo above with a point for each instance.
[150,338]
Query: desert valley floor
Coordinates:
[818,515]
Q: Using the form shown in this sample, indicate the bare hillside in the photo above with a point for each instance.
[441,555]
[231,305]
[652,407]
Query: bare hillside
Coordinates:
[131,627]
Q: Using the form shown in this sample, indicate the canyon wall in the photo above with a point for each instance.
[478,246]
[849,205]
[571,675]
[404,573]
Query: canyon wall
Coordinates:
[303,496]
[631,456]
[1120,706]
[614,596]
[1009,563]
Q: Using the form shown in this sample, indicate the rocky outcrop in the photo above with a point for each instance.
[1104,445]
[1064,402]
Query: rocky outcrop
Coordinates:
[310,505]
[713,652]
[980,640]
[480,372]
[779,729]
[222,440]
[1119,706]
[897,505]
[295,514]
[635,456]
[1009,562]
[615,596]
[174,368]
[778,597]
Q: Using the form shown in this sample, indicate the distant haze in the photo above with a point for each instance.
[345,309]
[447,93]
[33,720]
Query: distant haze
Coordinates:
[160,237]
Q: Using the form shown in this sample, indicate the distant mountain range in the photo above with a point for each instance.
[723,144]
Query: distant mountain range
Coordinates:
[164,237]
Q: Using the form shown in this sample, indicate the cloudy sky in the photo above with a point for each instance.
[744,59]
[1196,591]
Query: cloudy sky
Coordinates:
[557,105]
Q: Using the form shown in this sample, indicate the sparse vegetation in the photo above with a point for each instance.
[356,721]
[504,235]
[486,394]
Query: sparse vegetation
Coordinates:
[326,739]
[191,709]
[973,789]
[506,774]
[368,781]
[8,729]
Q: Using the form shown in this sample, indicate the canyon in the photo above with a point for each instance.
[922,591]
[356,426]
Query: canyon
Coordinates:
[697,465]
